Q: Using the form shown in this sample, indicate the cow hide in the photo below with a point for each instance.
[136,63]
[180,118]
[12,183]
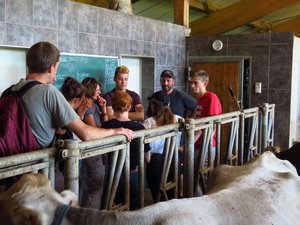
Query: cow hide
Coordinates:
[264,191]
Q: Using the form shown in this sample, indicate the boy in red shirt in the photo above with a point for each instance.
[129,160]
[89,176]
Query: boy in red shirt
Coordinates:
[208,103]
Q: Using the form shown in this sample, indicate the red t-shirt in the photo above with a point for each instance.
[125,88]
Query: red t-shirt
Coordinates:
[208,105]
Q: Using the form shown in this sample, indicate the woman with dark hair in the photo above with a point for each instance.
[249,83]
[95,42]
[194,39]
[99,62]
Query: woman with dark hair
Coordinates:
[74,93]
[92,173]
[96,114]
[162,115]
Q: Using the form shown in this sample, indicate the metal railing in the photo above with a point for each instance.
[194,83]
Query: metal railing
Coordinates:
[38,161]
[247,133]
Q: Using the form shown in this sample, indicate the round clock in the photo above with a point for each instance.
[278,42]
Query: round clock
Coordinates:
[217,45]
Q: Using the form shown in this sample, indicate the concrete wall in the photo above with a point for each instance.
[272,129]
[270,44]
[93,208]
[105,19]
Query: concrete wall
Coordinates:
[80,28]
[271,63]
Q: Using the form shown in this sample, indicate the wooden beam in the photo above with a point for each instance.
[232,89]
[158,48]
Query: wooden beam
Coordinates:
[291,25]
[205,7]
[197,5]
[211,6]
[181,12]
[261,25]
[236,15]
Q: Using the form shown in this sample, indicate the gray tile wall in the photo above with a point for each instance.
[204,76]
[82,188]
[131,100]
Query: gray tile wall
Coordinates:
[271,56]
[79,28]
[147,82]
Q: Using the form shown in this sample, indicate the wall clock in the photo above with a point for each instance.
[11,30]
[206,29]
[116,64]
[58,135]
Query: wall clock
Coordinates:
[217,45]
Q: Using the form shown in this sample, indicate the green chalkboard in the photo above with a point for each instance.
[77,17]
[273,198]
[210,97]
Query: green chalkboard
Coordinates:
[81,66]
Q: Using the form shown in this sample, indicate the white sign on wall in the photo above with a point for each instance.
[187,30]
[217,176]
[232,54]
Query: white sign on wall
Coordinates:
[12,66]
[134,80]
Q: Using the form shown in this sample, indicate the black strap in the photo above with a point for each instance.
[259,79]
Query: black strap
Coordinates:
[21,91]
[27,86]
[60,214]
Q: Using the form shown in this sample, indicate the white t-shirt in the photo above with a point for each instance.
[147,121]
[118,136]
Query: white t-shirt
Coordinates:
[157,146]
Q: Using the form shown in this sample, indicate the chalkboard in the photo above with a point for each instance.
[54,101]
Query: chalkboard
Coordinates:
[81,66]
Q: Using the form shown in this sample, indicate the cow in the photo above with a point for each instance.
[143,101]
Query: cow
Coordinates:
[263,191]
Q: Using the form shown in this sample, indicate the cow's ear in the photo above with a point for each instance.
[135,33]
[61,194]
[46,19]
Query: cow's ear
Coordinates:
[70,197]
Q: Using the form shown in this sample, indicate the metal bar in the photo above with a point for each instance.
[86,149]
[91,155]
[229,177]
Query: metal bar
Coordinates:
[175,164]
[27,157]
[264,141]
[230,144]
[242,138]
[202,126]
[229,120]
[112,169]
[165,169]
[51,171]
[71,170]
[95,151]
[14,171]
[188,178]
[141,173]
[217,117]
[159,136]
[119,167]
[236,151]
[127,176]
[218,147]
[252,137]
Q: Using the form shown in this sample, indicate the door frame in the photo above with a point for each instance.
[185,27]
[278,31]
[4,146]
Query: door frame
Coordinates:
[216,59]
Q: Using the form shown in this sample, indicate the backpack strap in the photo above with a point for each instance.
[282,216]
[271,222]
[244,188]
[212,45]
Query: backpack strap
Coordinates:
[26,87]
[21,91]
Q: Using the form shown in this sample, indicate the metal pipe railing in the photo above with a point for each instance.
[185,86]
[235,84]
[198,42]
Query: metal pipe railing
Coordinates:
[39,160]
[247,121]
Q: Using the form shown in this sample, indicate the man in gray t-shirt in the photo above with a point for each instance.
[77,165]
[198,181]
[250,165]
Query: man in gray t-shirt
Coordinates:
[46,107]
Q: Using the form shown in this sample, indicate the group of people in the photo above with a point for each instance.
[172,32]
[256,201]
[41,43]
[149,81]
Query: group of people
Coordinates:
[78,110]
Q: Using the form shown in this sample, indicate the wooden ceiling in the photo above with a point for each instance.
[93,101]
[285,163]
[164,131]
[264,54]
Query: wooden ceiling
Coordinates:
[218,17]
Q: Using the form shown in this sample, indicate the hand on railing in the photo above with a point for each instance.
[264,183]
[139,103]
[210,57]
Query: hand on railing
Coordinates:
[128,133]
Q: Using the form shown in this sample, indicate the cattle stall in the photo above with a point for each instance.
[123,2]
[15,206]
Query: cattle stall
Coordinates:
[248,132]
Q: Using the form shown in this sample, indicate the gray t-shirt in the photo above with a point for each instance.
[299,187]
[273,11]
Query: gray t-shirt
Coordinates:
[47,110]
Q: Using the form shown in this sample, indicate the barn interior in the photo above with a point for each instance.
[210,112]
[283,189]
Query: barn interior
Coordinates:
[250,46]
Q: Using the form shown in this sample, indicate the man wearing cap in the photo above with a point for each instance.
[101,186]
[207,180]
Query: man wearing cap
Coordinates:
[181,103]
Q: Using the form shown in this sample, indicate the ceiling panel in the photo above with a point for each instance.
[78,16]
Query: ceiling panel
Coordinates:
[163,10]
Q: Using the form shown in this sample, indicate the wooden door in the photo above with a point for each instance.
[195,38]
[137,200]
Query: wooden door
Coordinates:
[223,75]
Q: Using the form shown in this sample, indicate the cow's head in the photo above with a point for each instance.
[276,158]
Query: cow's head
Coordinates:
[32,201]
